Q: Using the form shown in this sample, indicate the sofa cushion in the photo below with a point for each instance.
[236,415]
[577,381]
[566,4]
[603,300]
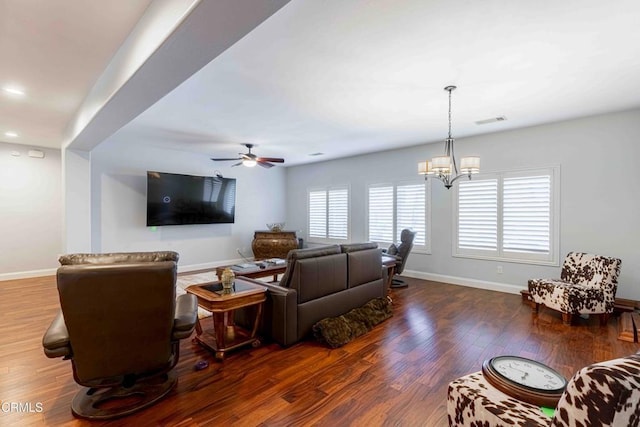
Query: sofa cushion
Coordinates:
[319,276]
[294,255]
[353,247]
[363,267]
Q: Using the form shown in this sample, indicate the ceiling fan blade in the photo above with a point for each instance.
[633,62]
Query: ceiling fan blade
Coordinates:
[264,164]
[224,160]
[237,164]
[270,159]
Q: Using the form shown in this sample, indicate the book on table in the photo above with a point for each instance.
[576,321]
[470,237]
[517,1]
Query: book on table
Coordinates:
[245,267]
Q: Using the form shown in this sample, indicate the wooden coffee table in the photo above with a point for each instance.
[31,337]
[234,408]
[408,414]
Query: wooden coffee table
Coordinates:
[226,335]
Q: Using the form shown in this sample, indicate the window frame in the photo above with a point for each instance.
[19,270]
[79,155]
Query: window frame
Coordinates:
[499,254]
[327,190]
[422,249]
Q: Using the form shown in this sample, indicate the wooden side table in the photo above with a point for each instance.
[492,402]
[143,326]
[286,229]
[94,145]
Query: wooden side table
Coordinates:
[226,335]
[389,263]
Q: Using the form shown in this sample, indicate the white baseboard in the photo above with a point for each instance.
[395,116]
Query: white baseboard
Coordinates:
[464,281]
[27,274]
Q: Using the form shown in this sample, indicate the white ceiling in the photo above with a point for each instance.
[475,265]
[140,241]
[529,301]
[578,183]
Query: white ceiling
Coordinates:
[349,77]
[55,51]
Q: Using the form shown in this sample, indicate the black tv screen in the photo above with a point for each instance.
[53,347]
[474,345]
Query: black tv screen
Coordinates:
[174,199]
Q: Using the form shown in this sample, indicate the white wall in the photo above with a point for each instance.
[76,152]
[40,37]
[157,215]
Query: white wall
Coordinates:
[118,191]
[599,194]
[30,212]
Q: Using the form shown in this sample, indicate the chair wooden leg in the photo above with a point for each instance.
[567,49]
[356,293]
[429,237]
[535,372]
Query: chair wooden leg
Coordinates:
[566,318]
[604,319]
[534,307]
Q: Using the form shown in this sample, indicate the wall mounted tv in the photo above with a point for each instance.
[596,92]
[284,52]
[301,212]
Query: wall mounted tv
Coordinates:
[174,199]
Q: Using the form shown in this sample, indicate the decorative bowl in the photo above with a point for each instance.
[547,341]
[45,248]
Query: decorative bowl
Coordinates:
[276,226]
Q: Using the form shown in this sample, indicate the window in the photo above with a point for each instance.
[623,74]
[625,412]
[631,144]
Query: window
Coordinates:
[393,207]
[329,214]
[509,215]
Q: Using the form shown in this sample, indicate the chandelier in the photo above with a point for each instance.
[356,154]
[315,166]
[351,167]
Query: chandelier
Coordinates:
[444,167]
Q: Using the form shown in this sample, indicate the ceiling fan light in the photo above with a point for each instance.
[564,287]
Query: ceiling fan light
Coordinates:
[249,163]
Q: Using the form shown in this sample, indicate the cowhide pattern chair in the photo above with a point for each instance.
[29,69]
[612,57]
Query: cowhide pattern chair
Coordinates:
[602,394]
[587,285]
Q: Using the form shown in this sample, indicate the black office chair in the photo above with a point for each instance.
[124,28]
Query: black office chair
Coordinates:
[401,253]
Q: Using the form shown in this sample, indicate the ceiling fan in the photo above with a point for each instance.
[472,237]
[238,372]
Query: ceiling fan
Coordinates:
[250,160]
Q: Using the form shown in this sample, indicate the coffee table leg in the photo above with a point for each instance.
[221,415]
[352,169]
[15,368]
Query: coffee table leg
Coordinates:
[198,327]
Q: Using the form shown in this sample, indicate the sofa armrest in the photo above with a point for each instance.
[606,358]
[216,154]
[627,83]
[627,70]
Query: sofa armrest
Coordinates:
[280,319]
[186,316]
[56,339]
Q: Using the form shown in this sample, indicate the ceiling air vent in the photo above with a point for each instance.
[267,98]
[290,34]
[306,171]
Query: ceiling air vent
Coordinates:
[491,120]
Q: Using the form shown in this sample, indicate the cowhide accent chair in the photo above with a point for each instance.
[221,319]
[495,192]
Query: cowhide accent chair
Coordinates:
[602,394]
[120,325]
[587,285]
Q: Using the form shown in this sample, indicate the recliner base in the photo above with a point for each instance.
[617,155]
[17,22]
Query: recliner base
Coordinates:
[102,403]
[397,282]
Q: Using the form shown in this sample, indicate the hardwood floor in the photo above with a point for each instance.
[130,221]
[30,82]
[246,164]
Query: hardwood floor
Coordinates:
[395,375]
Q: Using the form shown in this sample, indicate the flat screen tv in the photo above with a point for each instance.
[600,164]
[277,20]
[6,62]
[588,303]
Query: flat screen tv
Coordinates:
[174,199]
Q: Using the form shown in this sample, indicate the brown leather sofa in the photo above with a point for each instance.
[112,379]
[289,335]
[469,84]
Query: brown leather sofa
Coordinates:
[320,282]
[120,325]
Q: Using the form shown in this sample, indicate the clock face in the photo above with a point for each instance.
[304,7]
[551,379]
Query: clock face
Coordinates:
[529,373]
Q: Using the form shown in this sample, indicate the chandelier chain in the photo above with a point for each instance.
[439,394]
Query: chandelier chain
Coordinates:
[450,90]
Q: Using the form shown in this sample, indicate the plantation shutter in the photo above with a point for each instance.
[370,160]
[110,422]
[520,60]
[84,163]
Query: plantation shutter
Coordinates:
[381,214]
[410,207]
[478,215]
[338,213]
[318,214]
[527,214]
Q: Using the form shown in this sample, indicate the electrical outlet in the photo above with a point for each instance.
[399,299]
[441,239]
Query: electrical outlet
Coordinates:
[499,269]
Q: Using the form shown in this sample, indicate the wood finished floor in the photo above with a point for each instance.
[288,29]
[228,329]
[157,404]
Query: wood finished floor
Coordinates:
[396,375]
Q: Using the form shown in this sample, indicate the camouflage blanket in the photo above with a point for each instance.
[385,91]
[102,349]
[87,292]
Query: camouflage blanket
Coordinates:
[337,331]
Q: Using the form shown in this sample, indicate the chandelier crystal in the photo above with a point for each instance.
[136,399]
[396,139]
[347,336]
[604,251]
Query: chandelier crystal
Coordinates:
[445,167]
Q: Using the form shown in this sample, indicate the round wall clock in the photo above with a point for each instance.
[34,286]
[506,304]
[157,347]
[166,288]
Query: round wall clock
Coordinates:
[525,379]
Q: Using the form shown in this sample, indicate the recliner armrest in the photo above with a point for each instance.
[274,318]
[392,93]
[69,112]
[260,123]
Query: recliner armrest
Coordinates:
[186,316]
[56,340]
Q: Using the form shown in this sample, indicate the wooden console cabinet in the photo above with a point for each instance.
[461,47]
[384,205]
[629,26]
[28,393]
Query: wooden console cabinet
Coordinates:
[273,244]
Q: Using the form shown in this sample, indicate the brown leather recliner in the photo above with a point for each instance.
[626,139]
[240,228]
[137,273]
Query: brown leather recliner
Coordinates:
[120,325]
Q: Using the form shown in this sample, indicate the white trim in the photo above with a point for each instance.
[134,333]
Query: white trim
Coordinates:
[553,258]
[422,249]
[27,274]
[327,189]
[464,281]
